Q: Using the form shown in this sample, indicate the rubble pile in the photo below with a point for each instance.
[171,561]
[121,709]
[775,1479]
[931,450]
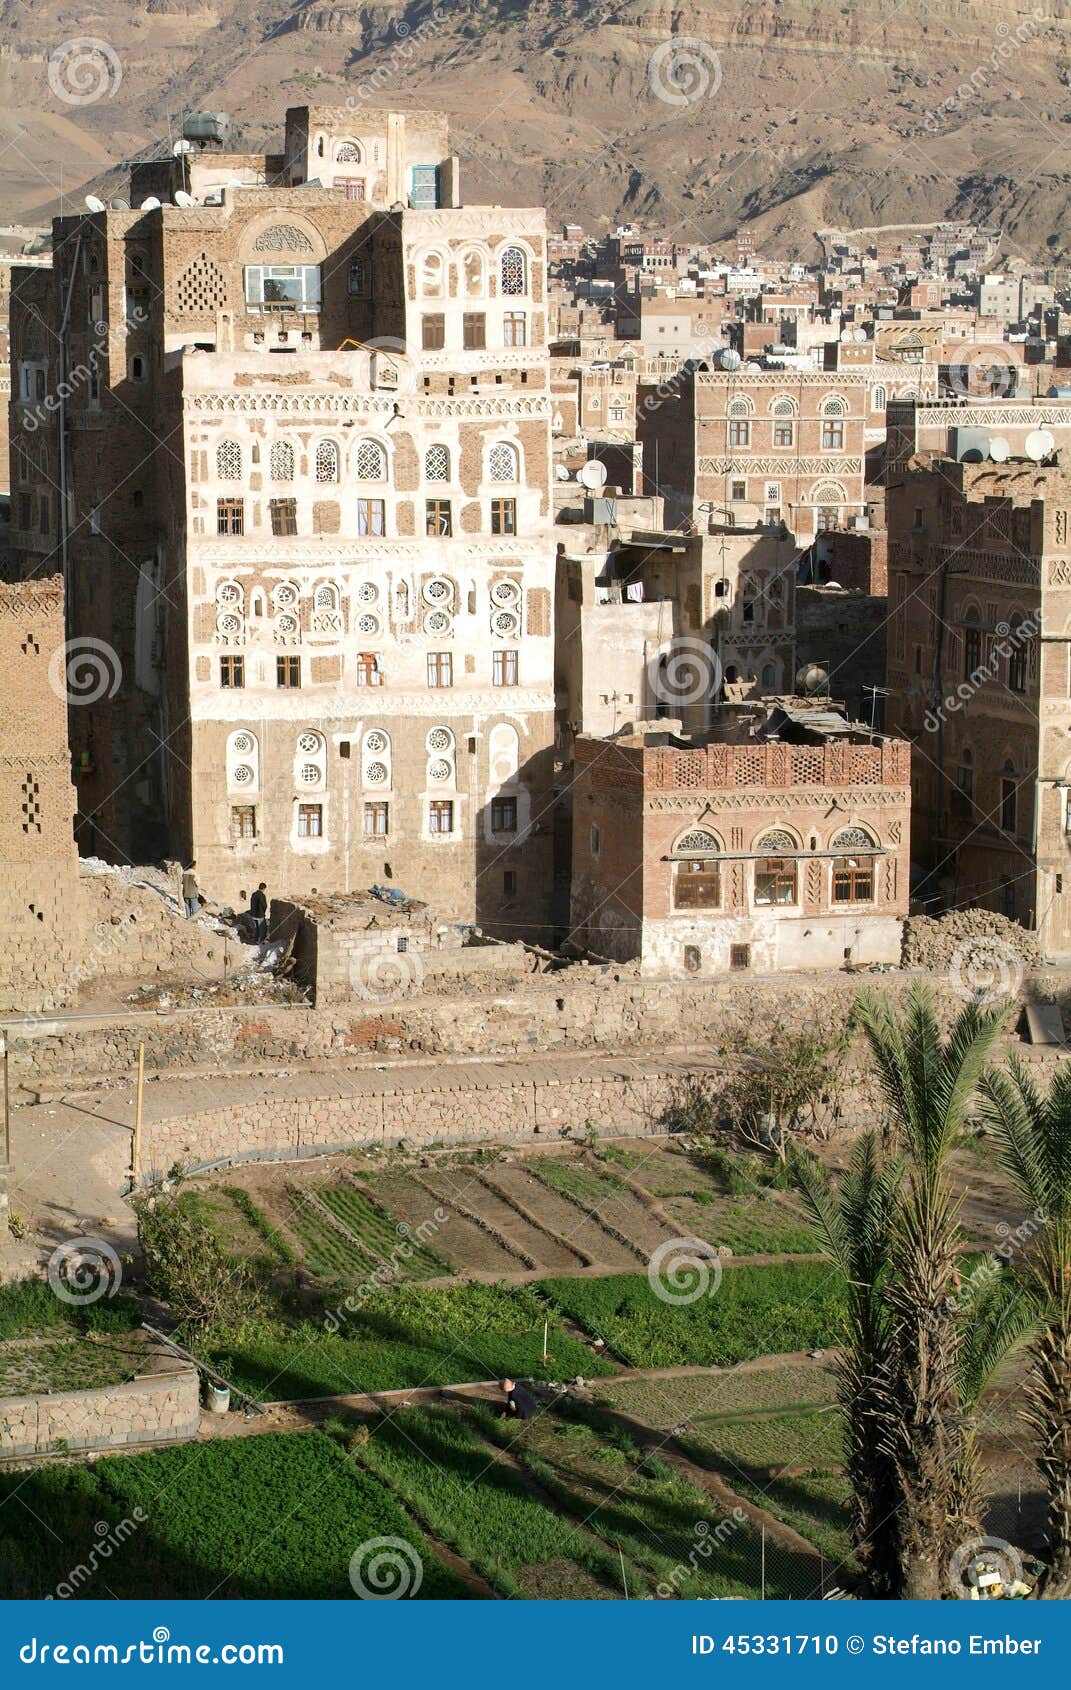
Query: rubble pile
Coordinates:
[935,943]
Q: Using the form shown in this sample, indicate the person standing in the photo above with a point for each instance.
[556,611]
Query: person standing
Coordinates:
[191,892]
[258,909]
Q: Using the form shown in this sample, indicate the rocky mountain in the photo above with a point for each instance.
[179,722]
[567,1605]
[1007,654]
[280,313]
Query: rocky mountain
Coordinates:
[791,114]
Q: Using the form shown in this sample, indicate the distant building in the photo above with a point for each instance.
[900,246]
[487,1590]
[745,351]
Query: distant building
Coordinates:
[707,855]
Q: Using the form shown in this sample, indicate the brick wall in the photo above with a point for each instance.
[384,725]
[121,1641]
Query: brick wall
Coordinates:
[40,922]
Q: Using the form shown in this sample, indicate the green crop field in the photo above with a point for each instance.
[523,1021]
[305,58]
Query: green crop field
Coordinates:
[75,1363]
[754,1311]
[589,1187]
[404,1335]
[264,1517]
[30,1308]
[436,1460]
[768,1441]
[751,1226]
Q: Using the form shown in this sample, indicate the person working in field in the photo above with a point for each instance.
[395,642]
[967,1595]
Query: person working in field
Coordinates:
[520,1404]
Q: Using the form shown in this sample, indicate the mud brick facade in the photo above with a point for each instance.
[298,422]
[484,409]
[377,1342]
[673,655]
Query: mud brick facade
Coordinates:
[980,682]
[757,856]
[308,443]
[764,445]
[40,918]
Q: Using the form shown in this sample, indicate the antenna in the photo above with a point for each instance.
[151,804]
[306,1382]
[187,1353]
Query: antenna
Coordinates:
[999,449]
[181,147]
[151,204]
[592,475]
[95,203]
[184,199]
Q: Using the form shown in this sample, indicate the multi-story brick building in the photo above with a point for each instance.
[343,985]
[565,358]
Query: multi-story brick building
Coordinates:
[979,676]
[702,855]
[761,445]
[40,923]
[306,427]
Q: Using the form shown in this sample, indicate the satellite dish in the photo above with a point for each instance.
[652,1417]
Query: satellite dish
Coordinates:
[119,205]
[561,472]
[151,204]
[592,475]
[999,449]
[181,147]
[1050,441]
[1038,444]
[727,358]
[95,203]
[214,199]
[184,199]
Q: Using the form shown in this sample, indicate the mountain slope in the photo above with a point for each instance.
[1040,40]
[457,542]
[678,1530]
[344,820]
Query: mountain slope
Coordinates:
[796,114]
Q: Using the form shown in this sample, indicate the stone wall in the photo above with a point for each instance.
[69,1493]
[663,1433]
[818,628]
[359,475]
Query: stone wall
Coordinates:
[580,1009]
[159,1407]
[625,1097]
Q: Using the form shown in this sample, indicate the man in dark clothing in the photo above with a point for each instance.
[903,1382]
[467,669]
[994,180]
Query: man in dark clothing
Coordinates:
[520,1404]
[258,909]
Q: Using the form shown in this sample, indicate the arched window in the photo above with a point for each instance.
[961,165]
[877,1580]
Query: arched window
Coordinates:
[282,461]
[853,868]
[475,277]
[514,271]
[371,462]
[972,642]
[431,275]
[228,461]
[376,758]
[243,761]
[784,407]
[739,408]
[878,399]
[768,678]
[697,877]
[347,152]
[437,463]
[502,462]
[325,597]
[1020,631]
[326,461]
[775,869]
[833,408]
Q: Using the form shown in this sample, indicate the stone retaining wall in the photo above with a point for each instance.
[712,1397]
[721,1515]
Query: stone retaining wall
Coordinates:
[162,1406]
[582,1009]
[620,1103]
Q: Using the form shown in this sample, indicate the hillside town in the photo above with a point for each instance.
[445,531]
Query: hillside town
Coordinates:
[494,807]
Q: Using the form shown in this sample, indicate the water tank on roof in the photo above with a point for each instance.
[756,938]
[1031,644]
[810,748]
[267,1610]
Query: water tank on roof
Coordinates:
[207,128]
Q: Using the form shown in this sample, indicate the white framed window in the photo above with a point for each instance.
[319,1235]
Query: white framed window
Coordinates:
[283,286]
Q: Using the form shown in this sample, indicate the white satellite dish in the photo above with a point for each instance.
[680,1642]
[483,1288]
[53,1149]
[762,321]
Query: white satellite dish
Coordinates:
[184,199]
[1038,444]
[151,204]
[561,472]
[181,147]
[592,475]
[1049,439]
[119,205]
[999,449]
[95,203]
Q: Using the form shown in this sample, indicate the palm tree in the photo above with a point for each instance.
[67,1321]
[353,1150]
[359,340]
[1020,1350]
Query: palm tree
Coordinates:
[995,1314]
[853,1222]
[1033,1140]
[926,1083]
